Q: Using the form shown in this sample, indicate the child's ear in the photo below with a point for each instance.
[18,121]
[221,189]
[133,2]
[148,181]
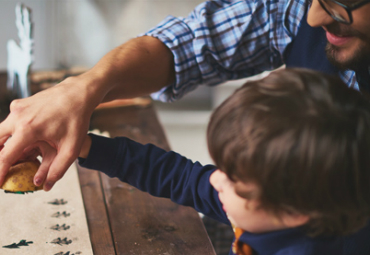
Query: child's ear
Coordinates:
[292,220]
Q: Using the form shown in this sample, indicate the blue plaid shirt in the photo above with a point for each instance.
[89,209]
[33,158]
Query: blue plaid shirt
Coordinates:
[225,40]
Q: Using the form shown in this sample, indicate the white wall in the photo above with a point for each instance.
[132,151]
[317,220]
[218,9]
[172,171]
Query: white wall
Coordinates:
[79,32]
[43,33]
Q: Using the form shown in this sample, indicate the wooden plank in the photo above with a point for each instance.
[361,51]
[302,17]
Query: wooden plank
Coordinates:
[138,122]
[140,101]
[96,212]
[142,224]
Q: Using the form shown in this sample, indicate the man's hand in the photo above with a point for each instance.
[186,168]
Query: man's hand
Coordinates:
[54,121]
[60,116]
[47,153]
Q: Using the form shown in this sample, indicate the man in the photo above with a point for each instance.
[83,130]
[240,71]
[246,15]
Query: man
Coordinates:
[348,37]
[220,40]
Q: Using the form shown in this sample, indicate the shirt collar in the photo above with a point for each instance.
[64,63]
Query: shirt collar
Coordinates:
[272,242]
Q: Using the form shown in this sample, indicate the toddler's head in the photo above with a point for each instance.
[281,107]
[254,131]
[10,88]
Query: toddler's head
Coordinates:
[302,139]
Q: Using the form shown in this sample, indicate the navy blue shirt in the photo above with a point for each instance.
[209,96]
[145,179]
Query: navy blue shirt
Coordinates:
[170,175]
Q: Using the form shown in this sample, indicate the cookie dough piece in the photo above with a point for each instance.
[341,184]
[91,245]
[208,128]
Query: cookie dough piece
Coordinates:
[20,178]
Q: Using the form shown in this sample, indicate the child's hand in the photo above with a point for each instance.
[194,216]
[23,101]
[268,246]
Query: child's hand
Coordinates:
[85,147]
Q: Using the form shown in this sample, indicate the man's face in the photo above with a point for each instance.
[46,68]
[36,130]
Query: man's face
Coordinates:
[348,46]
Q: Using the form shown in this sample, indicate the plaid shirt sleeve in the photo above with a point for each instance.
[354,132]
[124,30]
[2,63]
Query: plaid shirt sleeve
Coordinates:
[226,40]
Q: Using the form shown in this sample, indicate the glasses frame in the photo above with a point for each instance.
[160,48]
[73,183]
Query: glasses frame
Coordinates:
[348,9]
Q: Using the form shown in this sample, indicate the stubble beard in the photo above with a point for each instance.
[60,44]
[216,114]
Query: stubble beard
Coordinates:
[360,58]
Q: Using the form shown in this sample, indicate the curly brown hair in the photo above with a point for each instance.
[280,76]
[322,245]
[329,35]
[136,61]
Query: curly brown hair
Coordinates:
[304,138]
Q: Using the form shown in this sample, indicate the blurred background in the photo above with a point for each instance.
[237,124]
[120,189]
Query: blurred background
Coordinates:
[77,33]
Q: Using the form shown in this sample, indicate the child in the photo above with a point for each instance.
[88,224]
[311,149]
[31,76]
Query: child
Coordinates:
[292,167]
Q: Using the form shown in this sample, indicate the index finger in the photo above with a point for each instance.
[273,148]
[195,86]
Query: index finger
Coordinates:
[11,152]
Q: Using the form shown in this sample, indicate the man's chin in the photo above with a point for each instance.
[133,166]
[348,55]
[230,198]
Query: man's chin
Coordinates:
[336,58]
[346,60]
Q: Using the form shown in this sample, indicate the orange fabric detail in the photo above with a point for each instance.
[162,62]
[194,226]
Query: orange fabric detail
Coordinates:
[240,248]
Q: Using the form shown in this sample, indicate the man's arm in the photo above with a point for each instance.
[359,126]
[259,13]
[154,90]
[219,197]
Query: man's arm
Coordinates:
[207,47]
[139,67]
[60,115]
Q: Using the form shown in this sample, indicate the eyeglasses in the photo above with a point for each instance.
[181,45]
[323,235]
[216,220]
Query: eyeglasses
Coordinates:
[341,12]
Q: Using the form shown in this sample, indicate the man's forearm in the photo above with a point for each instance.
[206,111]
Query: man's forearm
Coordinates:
[139,67]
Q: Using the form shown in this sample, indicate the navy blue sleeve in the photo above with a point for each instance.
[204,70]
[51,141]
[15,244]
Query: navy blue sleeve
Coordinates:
[156,171]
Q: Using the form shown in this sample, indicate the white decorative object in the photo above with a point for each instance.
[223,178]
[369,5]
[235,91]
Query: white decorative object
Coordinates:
[20,57]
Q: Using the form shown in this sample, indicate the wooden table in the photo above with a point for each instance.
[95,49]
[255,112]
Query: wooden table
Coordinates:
[122,219]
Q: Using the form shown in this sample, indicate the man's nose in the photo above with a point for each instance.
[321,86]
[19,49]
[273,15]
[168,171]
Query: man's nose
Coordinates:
[317,16]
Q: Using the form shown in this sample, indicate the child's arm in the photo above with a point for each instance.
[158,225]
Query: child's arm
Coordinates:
[156,171]
[86,145]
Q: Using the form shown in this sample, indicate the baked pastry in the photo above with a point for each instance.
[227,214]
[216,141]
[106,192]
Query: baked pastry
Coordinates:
[20,178]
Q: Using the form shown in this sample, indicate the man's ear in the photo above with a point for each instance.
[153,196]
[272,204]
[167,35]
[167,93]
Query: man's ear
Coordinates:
[292,220]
